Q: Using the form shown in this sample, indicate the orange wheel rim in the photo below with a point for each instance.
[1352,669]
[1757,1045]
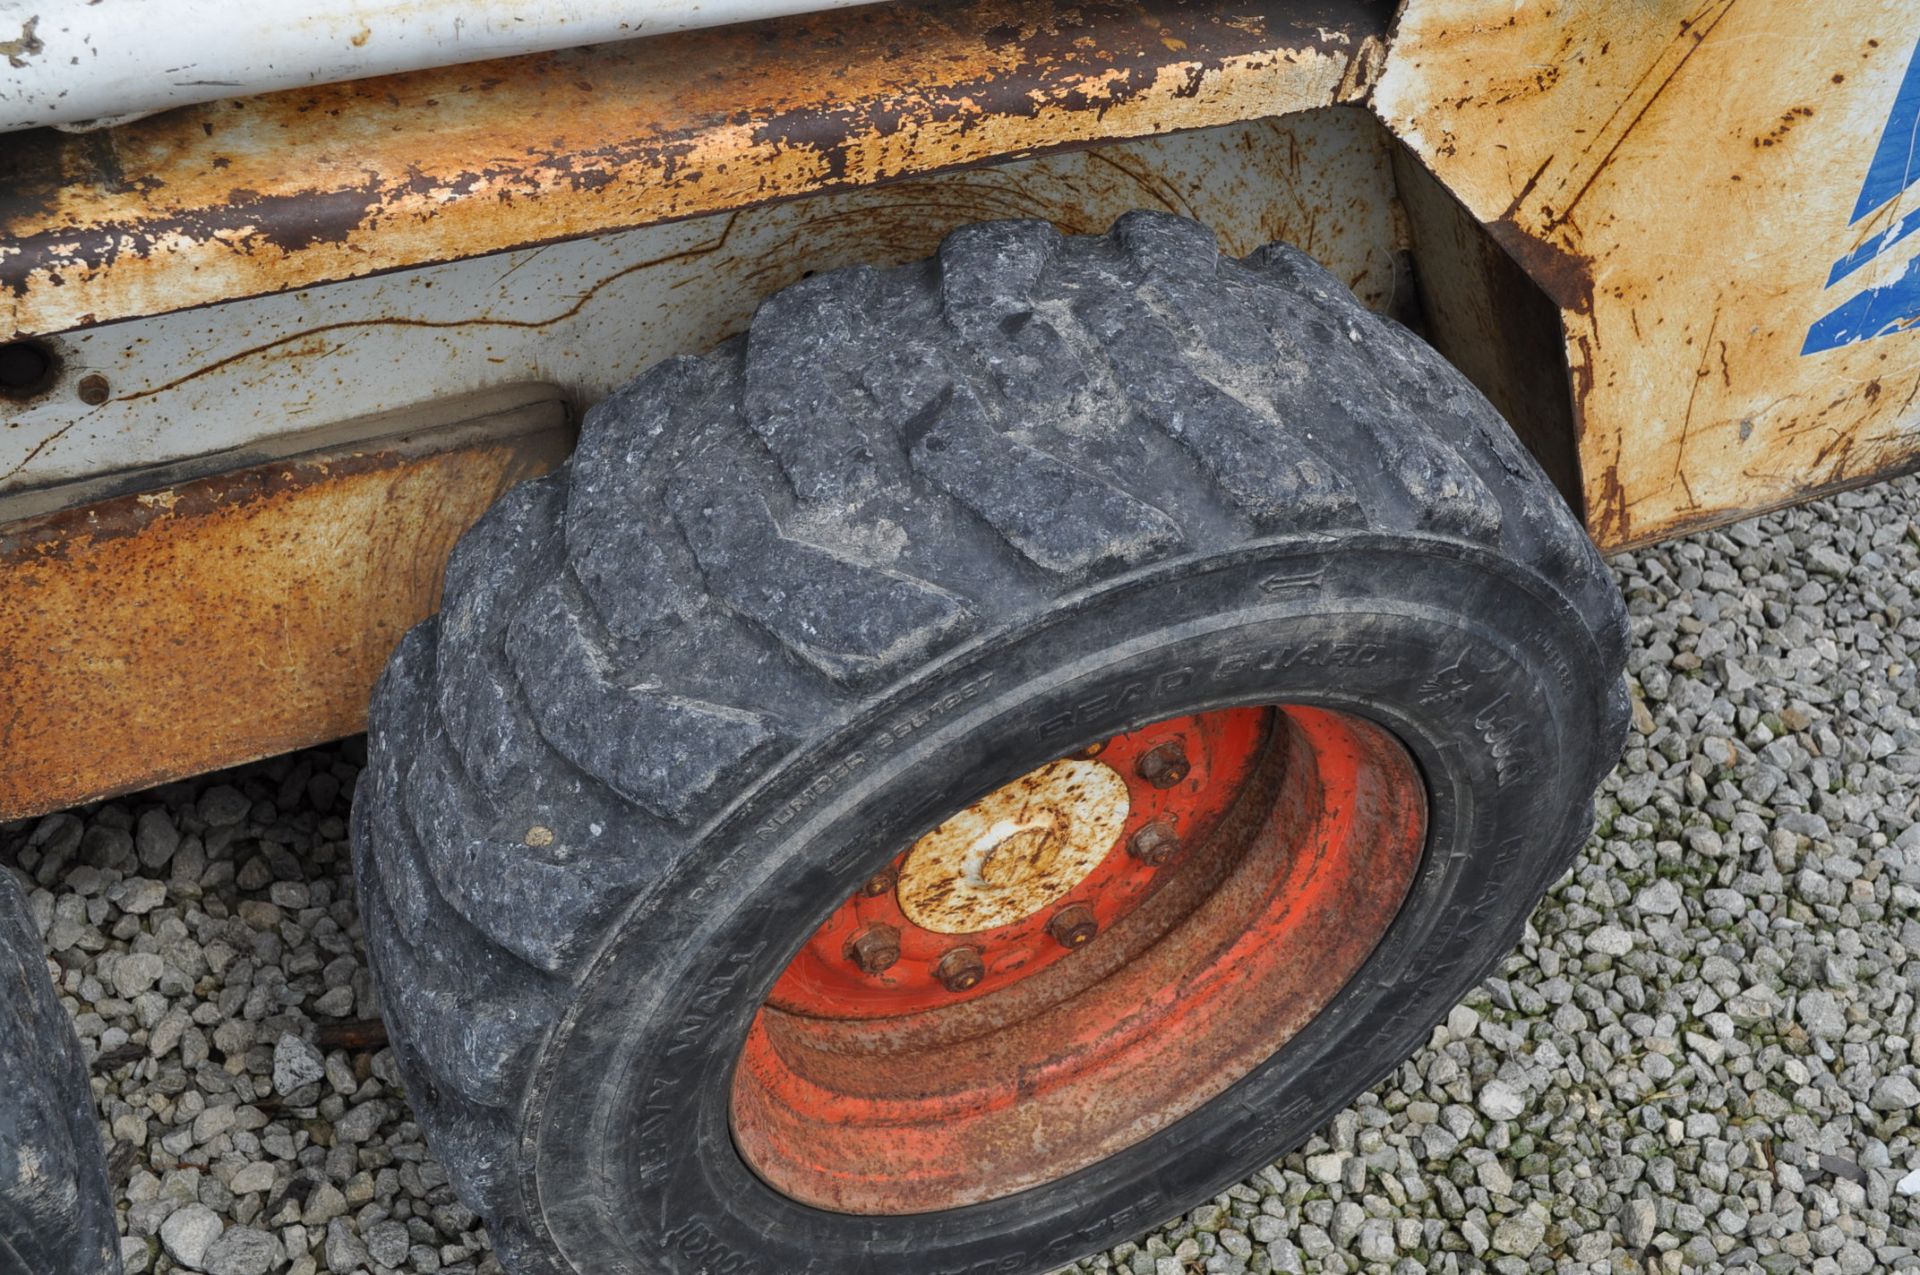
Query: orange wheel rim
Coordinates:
[1078,959]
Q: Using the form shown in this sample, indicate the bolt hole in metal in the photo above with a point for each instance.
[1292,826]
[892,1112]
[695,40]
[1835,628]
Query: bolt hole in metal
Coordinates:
[28,369]
[1078,959]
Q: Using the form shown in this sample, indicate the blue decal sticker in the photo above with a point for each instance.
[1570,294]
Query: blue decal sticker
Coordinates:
[1874,247]
[1890,307]
[1893,169]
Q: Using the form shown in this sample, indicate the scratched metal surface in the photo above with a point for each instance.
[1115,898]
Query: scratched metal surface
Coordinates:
[262,195]
[587,315]
[1703,189]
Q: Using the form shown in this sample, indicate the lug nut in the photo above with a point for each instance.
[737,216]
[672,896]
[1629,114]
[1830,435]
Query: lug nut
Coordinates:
[1155,844]
[875,948]
[1074,925]
[960,969]
[881,882]
[1165,765]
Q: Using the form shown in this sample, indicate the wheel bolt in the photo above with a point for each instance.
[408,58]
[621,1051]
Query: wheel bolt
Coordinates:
[875,948]
[1074,925]
[960,969]
[1155,844]
[881,882]
[1165,765]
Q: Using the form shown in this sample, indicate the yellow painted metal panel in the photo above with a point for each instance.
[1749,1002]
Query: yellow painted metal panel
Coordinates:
[1681,179]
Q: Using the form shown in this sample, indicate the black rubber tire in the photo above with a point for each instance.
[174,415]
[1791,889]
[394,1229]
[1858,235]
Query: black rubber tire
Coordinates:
[56,1214]
[917,532]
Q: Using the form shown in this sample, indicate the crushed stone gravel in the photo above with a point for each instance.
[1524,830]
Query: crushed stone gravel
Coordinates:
[1702,1056]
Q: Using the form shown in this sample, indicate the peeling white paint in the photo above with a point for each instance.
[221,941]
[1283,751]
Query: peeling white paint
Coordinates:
[94,60]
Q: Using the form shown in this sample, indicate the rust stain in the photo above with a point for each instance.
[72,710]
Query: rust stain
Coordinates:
[23,46]
[171,632]
[1564,274]
[261,195]
[1879,468]
[1778,133]
[33,452]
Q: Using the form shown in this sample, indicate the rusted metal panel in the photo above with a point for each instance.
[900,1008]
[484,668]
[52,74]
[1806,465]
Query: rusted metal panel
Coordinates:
[157,634]
[261,195]
[589,314]
[1692,184]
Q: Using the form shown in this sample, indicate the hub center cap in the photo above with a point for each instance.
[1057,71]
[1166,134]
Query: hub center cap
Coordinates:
[1017,850]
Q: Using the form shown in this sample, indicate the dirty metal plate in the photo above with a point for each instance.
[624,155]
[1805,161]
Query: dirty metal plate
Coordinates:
[1017,850]
[261,195]
[1720,198]
[589,314]
[161,633]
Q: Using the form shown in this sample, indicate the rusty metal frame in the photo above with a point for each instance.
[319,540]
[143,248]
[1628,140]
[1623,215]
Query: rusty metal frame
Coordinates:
[590,314]
[213,617]
[253,196]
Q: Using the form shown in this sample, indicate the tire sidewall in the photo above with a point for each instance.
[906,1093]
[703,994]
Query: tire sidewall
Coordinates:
[1482,669]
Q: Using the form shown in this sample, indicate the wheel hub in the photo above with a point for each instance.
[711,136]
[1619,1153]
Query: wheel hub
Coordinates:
[1078,959]
[1016,850]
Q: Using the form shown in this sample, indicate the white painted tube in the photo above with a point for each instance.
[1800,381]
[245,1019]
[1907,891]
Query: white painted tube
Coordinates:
[75,62]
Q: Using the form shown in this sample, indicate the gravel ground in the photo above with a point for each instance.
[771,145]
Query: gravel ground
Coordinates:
[1701,1058]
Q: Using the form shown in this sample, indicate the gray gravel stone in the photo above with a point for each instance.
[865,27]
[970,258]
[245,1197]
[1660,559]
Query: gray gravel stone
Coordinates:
[1500,1101]
[155,838]
[141,896]
[136,1255]
[242,1250]
[222,806]
[1662,898]
[1521,1234]
[1610,940]
[343,1248]
[1820,1014]
[256,1175]
[387,1243]
[295,1064]
[1637,1221]
[325,1204]
[135,972]
[1895,1093]
[187,1233]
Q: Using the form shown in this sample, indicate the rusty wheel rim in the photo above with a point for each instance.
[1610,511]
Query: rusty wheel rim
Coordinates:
[1078,959]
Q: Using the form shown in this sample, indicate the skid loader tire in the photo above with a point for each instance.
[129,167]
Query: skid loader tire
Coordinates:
[56,1214]
[917,532]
